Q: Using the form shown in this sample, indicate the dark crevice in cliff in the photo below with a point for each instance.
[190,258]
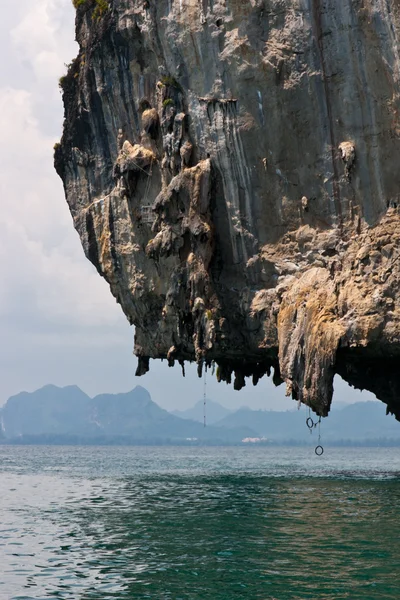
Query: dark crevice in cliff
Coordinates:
[319,37]
[92,250]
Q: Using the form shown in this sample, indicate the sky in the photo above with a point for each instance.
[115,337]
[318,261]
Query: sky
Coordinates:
[58,321]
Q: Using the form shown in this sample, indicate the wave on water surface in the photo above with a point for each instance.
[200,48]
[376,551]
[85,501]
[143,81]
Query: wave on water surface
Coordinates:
[199,524]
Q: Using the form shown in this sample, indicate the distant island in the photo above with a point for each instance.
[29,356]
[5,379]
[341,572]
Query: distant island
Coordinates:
[54,415]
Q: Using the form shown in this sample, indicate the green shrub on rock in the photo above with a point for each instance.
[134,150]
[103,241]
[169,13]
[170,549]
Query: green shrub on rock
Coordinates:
[101,6]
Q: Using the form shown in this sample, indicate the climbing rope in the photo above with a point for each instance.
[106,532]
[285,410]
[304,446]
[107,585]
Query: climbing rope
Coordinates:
[311,424]
[141,168]
[149,175]
[309,421]
[205,396]
[319,450]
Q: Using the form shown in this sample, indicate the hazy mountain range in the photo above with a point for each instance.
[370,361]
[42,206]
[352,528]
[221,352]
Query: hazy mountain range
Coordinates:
[57,415]
[214,412]
[68,412]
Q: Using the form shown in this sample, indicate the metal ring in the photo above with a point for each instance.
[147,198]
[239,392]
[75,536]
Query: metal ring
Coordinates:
[319,450]
[310,423]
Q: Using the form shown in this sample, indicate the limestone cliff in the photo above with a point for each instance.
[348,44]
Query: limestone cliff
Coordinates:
[232,168]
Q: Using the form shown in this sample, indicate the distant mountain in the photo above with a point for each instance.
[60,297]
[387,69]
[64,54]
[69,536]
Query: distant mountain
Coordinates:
[361,421]
[135,414]
[48,410]
[272,425]
[214,412]
[338,405]
[64,412]
[68,415]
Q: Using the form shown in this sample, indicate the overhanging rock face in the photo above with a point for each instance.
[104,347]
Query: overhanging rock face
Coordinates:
[232,169]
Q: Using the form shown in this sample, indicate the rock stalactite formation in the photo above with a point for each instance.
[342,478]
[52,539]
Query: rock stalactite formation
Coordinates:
[232,169]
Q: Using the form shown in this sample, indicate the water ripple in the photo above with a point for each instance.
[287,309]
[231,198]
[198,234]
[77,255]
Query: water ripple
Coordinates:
[198,524]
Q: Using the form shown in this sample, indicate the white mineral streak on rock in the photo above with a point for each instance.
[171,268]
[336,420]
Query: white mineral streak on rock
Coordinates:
[232,171]
[260,107]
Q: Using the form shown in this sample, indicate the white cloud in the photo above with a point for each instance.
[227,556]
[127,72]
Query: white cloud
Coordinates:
[38,247]
[39,251]
[58,320]
[40,38]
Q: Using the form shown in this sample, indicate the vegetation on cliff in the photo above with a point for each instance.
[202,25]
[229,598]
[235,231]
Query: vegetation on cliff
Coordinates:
[100,6]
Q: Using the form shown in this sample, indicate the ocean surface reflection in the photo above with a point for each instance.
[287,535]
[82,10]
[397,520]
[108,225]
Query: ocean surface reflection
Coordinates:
[189,523]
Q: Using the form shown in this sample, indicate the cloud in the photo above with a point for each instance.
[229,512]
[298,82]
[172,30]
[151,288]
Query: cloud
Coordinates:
[44,271]
[58,320]
[40,252]
[42,39]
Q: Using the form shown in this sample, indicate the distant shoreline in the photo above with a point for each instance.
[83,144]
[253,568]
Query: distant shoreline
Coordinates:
[48,440]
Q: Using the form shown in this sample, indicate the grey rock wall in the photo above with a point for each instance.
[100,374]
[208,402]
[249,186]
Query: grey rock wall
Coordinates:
[231,167]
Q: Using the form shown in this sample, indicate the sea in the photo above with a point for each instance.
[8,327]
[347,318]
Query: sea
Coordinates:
[196,523]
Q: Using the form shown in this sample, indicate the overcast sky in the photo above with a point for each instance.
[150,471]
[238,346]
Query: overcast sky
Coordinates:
[58,322]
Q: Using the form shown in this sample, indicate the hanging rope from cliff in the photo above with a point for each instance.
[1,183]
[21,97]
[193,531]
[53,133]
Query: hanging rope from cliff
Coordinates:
[149,176]
[319,450]
[205,396]
[309,421]
[139,167]
[311,424]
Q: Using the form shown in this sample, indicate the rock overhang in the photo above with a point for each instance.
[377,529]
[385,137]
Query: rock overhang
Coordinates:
[231,169]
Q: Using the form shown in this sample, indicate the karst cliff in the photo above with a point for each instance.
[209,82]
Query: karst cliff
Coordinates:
[232,169]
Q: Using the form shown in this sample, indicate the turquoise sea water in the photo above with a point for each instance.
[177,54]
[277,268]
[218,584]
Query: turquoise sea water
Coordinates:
[199,523]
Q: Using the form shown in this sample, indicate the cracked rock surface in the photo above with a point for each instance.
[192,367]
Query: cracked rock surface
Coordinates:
[232,169]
